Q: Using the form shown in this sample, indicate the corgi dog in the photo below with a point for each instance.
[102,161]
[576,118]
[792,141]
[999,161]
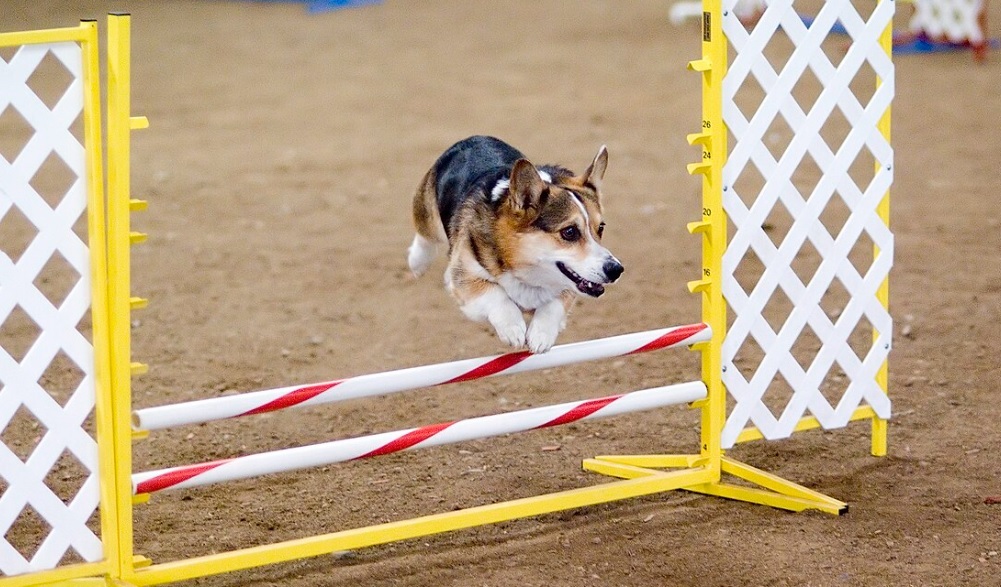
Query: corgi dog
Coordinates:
[522,240]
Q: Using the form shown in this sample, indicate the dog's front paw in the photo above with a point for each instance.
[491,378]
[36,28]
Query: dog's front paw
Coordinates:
[540,338]
[547,323]
[511,332]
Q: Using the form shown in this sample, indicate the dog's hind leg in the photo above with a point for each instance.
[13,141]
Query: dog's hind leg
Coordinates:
[427,222]
[420,254]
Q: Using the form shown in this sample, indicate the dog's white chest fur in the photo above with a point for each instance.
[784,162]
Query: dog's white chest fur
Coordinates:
[528,297]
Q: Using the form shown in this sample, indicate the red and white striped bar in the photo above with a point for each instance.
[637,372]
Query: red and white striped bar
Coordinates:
[259,402]
[338,451]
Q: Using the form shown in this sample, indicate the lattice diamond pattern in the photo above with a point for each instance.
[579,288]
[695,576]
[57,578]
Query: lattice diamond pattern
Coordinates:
[758,236]
[51,260]
[956,21]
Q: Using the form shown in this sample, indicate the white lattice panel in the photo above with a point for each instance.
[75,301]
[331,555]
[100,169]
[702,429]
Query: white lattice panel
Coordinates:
[956,21]
[786,171]
[44,437]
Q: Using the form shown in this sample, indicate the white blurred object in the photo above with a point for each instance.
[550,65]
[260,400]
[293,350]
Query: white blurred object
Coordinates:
[682,11]
[956,21]
[749,11]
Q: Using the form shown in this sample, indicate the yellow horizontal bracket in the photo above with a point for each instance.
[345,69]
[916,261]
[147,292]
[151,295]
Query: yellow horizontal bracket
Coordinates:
[43,36]
[137,237]
[701,285]
[702,226]
[100,578]
[686,477]
[806,423]
[140,435]
[85,574]
[138,369]
[656,461]
[140,499]
[138,303]
[610,469]
[700,65]
[138,205]
[703,168]
[139,561]
[138,122]
[699,404]
[699,138]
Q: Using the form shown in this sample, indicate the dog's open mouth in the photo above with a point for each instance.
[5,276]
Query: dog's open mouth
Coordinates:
[586,287]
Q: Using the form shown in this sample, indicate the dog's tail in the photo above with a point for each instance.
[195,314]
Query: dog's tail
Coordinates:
[427,222]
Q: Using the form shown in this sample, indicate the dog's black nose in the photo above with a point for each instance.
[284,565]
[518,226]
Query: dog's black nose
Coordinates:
[613,269]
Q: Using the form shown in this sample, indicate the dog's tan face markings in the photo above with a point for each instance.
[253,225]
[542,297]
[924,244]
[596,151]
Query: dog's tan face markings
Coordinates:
[586,188]
[568,210]
[544,229]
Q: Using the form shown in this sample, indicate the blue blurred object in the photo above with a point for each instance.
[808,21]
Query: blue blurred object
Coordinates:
[907,44]
[314,6]
[328,5]
[836,29]
[921,44]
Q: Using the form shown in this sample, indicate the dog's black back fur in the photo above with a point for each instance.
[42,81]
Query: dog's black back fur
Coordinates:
[471,168]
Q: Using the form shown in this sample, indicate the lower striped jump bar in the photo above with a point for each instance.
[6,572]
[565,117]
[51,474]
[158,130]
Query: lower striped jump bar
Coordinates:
[317,455]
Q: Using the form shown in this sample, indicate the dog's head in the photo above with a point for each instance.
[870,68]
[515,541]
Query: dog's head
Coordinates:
[549,232]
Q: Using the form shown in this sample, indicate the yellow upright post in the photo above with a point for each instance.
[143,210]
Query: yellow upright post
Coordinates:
[105,417]
[120,239]
[712,138]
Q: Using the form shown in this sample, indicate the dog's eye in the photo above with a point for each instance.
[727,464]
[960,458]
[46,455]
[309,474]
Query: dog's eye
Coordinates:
[601,229]
[570,234]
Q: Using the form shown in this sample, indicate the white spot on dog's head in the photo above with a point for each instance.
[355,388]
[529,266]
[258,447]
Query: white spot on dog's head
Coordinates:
[503,185]
[499,189]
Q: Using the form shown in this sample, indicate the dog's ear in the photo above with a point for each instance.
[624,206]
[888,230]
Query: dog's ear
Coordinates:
[526,188]
[596,171]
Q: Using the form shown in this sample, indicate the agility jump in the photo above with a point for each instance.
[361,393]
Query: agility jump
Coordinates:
[113,488]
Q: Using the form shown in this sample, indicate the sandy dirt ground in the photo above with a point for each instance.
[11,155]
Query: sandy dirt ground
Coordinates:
[282,154]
